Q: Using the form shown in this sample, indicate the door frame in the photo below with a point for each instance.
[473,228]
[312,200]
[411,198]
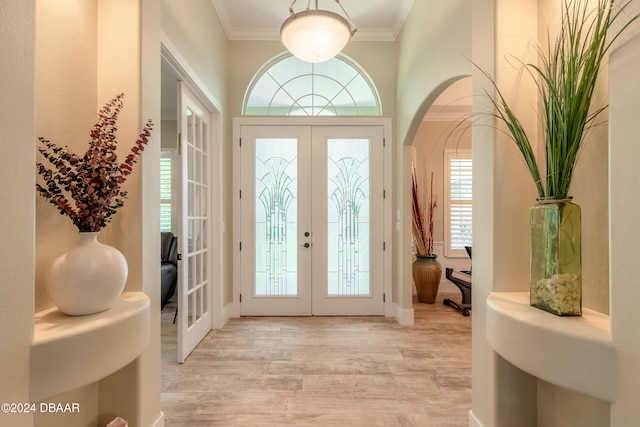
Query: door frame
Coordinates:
[172,60]
[385,122]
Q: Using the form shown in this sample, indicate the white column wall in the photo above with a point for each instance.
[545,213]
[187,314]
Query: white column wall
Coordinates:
[502,394]
[429,58]
[624,229]
[17,209]
[88,52]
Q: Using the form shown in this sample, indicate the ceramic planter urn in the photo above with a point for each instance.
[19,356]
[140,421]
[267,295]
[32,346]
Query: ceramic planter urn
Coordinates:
[556,257]
[426,272]
[87,279]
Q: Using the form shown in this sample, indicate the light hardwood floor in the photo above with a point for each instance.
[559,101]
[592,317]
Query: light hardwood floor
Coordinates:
[323,371]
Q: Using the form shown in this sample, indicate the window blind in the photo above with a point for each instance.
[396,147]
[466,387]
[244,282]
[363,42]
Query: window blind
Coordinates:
[166,182]
[459,201]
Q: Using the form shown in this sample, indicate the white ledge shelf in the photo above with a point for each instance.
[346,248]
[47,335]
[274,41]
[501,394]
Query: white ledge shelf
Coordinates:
[69,352]
[572,352]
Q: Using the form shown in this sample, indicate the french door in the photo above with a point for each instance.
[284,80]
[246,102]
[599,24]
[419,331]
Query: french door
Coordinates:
[311,230]
[194,290]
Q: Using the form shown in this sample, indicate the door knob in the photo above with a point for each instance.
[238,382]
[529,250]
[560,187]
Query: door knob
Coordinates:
[306,245]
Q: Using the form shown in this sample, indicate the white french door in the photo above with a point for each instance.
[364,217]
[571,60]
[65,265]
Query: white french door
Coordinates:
[311,230]
[347,218]
[194,290]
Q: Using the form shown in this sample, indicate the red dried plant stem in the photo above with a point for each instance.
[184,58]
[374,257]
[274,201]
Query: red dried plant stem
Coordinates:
[417,218]
[423,215]
[430,235]
[93,181]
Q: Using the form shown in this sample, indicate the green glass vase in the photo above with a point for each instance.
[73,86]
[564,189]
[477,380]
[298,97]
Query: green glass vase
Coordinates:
[556,257]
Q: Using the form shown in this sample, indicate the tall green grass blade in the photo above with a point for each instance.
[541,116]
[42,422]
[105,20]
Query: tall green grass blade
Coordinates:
[566,76]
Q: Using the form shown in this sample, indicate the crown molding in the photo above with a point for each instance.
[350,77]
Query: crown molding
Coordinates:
[273,33]
[447,113]
[404,10]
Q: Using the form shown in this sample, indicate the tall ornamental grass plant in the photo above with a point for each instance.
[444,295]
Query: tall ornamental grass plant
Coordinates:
[566,76]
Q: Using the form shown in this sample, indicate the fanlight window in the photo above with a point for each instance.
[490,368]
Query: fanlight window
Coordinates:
[291,87]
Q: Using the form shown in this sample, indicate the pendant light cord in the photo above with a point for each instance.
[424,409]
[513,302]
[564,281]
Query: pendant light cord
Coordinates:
[351,23]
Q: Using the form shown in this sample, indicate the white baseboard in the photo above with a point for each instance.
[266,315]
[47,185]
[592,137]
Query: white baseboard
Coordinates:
[229,311]
[404,316]
[159,422]
[473,421]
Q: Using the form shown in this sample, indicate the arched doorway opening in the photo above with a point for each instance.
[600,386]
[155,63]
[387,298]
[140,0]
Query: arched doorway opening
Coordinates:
[441,155]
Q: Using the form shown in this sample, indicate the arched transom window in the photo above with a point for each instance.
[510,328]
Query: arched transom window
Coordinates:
[288,86]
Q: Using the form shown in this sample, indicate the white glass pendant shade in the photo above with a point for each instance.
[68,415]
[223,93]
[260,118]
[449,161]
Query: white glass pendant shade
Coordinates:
[315,35]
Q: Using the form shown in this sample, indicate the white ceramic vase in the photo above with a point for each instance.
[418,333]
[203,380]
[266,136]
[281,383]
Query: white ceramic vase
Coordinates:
[87,279]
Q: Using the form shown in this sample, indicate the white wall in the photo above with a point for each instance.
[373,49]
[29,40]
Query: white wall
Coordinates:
[484,359]
[17,211]
[198,36]
[624,204]
[55,76]
[432,51]
[502,394]
[66,108]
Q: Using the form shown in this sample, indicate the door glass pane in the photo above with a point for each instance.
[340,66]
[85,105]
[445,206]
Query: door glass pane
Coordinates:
[348,216]
[191,310]
[198,165]
[276,208]
[191,279]
[189,117]
[191,172]
[198,268]
[198,135]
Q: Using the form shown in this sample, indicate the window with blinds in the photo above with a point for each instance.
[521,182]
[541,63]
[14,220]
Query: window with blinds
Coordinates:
[166,191]
[459,215]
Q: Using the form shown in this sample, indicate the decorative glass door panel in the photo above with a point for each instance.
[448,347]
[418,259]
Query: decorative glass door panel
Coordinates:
[276,208]
[348,217]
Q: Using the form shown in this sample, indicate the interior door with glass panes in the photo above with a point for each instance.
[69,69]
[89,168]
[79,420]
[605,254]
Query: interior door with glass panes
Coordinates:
[194,290]
[311,220]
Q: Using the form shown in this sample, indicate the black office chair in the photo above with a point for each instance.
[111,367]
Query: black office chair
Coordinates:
[168,267]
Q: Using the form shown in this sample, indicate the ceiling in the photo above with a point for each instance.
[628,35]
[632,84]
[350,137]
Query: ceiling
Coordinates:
[376,20]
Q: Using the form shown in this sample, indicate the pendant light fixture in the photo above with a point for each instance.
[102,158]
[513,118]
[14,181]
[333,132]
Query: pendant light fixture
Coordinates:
[316,35]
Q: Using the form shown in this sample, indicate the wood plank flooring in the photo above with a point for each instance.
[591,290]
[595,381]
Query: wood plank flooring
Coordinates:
[323,371]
